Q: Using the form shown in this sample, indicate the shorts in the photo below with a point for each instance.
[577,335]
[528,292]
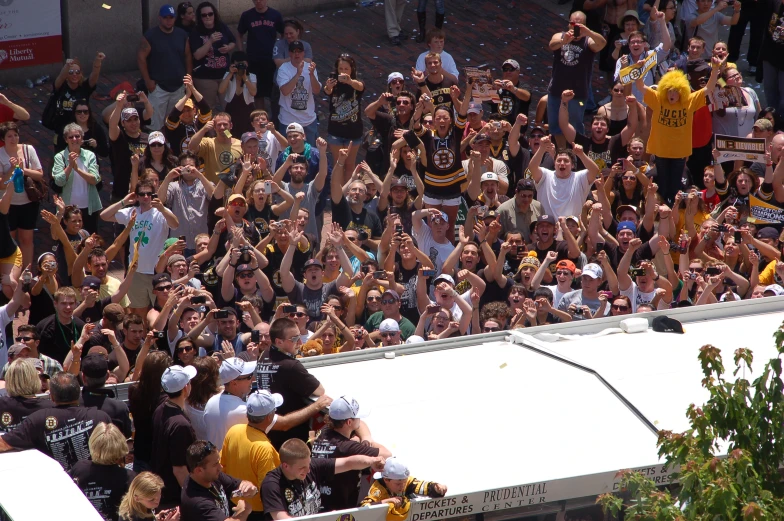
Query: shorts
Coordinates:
[23,216]
[140,293]
[342,141]
[452,201]
[15,259]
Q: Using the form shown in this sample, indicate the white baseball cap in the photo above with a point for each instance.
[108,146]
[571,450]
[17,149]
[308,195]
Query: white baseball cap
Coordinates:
[347,408]
[414,339]
[295,127]
[776,289]
[156,137]
[232,368]
[593,270]
[388,325]
[261,403]
[394,76]
[444,277]
[175,378]
[488,176]
[393,469]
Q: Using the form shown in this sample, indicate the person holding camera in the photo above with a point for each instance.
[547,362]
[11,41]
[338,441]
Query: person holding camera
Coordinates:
[298,89]
[348,209]
[187,193]
[243,277]
[345,117]
[226,338]
[238,88]
[151,228]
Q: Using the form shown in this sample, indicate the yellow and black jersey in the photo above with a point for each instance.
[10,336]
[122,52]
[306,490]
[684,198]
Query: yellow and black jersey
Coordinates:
[379,492]
[444,174]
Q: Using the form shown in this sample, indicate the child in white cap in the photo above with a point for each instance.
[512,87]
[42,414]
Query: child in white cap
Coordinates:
[394,485]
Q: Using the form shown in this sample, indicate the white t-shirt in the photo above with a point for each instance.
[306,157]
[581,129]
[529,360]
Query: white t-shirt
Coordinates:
[152,230]
[638,297]
[436,251]
[196,416]
[80,195]
[499,168]
[4,321]
[299,106]
[222,412]
[556,294]
[269,149]
[561,197]
[447,63]
[5,166]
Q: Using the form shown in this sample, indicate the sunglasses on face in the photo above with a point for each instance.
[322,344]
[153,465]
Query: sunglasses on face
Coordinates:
[490,329]
[81,111]
[397,82]
[428,122]
[184,349]
[619,307]
[163,288]
[73,72]
[508,69]
[245,275]
[537,136]
[618,91]
[373,299]
[207,15]
[295,339]
[24,339]
[237,203]
[388,335]
[155,145]
[388,301]
[298,314]
[143,194]
[565,273]
[75,136]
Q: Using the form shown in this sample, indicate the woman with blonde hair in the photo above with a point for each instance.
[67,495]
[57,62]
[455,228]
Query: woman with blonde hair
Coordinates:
[22,383]
[143,497]
[105,476]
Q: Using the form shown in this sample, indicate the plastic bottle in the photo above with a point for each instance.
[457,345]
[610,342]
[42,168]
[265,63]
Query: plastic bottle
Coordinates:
[18,179]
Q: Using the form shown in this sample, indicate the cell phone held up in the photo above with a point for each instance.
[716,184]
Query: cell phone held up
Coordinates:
[222,314]
[712,271]
[636,272]
[575,29]
[380,275]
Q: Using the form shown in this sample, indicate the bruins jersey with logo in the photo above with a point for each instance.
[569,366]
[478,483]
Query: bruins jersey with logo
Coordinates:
[444,175]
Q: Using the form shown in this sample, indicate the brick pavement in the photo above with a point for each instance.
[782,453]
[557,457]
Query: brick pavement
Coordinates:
[496,31]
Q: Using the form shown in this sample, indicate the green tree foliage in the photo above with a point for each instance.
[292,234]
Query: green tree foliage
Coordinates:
[742,419]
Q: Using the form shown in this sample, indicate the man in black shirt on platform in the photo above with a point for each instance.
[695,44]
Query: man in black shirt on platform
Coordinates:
[207,492]
[336,441]
[61,432]
[294,488]
[95,371]
[279,372]
[172,433]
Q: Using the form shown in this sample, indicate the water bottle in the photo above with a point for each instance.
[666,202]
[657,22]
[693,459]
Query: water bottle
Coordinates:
[18,179]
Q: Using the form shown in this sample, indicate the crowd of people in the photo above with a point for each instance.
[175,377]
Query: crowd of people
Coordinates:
[221,176]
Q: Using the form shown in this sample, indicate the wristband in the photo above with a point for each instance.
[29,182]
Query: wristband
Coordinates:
[232,265]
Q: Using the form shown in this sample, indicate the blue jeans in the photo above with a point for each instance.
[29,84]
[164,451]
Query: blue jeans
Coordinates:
[576,114]
[311,132]
[773,84]
[669,175]
[422,6]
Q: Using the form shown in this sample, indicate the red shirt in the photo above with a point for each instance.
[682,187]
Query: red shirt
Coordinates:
[702,128]
[712,201]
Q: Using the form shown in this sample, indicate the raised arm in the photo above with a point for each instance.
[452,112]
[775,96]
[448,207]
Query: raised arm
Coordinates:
[569,132]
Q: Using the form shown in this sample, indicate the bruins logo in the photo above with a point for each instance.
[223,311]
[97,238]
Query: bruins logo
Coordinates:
[289,495]
[635,74]
[225,158]
[506,106]
[6,418]
[444,159]
[50,422]
[261,225]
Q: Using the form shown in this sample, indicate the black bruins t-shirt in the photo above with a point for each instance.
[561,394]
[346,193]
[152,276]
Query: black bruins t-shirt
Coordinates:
[103,485]
[14,409]
[344,492]
[297,497]
[61,432]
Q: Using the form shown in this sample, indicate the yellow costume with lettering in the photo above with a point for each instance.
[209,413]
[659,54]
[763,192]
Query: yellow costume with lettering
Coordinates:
[379,492]
[671,123]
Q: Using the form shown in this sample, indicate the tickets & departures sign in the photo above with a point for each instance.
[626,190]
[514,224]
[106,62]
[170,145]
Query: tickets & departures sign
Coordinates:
[30,33]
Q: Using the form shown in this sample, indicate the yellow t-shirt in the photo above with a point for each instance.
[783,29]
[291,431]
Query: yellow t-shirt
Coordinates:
[247,454]
[768,275]
[110,287]
[671,125]
[218,157]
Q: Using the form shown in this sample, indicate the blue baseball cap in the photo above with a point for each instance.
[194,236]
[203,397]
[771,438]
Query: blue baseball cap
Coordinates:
[627,225]
[167,10]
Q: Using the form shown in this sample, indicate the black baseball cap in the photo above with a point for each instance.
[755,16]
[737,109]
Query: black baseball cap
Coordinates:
[91,282]
[95,366]
[296,45]
[160,277]
[312,262]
